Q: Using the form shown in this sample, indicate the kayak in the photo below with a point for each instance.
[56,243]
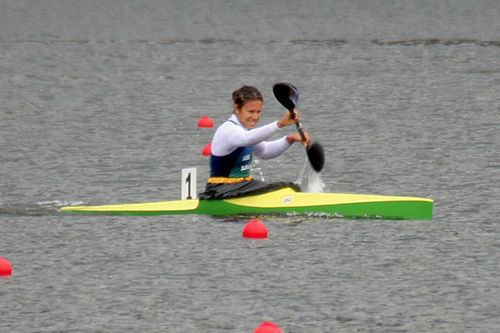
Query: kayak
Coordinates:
[285,200]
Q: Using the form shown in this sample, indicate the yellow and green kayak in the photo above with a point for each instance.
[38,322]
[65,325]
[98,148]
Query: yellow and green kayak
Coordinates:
[285,200]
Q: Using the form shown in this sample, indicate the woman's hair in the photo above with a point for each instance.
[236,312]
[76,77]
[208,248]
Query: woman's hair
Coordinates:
[246,94]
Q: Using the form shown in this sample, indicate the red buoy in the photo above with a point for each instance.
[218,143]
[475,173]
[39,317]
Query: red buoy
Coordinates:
[255,229]
[205,122]
[207,150]
[5,268]
[268,327]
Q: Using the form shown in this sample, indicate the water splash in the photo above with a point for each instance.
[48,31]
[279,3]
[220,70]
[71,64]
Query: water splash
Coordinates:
[310,180]
[257,168]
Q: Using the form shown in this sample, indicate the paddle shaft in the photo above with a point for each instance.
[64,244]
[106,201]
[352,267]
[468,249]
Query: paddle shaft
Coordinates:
[314,150]
[299,126]
[288,96]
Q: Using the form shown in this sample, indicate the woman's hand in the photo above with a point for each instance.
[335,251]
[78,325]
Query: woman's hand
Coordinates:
[288,120]
[296,137]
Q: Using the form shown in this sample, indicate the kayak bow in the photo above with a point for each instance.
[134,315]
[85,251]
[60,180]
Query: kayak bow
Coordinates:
[285,200]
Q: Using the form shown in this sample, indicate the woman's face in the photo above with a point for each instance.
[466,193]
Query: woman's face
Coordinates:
[249,113]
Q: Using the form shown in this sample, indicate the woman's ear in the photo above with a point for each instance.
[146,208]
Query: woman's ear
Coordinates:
[236,109]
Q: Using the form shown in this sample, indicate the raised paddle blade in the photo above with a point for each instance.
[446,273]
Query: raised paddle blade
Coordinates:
[286,94]
[316,156]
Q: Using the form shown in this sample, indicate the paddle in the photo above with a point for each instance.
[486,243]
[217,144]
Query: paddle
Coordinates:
[288,96]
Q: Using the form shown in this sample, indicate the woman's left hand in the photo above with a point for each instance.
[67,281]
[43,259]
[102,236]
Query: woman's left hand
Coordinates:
[288,119]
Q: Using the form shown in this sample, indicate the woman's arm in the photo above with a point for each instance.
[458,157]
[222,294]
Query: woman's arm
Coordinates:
[230,136]
[271,149]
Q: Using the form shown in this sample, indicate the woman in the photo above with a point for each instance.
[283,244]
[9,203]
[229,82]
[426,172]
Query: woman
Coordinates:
[237,139]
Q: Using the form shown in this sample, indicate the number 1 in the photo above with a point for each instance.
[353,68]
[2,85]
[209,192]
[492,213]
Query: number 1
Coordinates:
[188,182]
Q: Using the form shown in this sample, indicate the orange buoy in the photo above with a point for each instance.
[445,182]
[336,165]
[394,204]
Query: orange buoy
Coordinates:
[205,122]
[5,268]
[268,327]
[207,150]
[255,229]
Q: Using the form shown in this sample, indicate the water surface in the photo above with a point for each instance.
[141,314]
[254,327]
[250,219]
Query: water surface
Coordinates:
[99,104]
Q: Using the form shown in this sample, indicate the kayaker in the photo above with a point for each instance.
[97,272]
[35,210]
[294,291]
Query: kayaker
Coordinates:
[235,142]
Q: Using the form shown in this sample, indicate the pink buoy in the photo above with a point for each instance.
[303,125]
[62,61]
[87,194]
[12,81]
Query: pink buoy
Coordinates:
[207,150]
[205,122]
[268,327]
[5,268]
[255,229]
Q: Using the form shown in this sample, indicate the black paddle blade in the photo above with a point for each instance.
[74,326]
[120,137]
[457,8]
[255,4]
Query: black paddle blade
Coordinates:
[316,156]
[286,94]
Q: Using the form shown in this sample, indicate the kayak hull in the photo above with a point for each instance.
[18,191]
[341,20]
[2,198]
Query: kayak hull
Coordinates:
[286,201]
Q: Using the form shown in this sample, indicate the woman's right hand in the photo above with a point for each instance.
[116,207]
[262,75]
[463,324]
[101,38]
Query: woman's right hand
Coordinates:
[296,137]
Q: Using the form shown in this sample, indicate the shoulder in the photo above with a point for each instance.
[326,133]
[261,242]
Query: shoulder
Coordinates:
[229,126]
[227,130]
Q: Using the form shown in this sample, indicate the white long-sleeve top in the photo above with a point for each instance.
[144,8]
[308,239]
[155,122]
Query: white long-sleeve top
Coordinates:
[232,134]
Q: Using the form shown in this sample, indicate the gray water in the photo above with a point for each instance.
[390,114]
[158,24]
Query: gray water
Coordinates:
[99,103]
